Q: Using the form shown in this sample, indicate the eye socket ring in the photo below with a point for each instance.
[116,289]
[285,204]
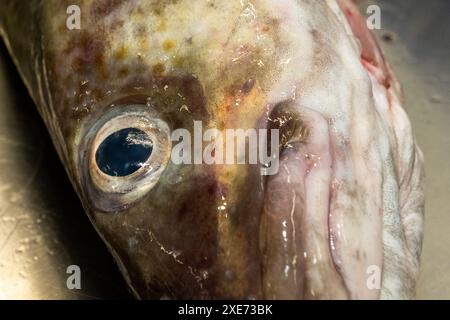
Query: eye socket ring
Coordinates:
[123,184]
[113,193]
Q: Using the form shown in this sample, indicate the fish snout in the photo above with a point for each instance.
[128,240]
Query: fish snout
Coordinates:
[239,199]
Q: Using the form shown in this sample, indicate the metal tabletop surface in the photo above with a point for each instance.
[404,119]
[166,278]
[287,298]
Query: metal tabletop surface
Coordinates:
[43,228]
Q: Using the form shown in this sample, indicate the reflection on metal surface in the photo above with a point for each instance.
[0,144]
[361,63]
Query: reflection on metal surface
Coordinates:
[43,229]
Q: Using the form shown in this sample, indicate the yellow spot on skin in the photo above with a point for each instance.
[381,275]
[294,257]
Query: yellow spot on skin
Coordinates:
[162,26]
[121,53]
[140,11]
[158,69]
[143,44]
[168,45]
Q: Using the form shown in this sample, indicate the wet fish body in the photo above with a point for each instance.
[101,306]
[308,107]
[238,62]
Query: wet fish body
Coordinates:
[347,201]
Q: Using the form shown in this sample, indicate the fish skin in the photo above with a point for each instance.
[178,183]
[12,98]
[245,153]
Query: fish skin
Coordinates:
[359,204]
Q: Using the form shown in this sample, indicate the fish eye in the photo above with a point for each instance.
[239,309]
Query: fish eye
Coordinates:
[124,152]
[128,150]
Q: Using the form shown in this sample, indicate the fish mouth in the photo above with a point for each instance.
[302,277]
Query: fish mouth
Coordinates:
[321,238]
[298,242]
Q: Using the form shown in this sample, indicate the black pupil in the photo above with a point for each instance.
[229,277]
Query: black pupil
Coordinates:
[124,152]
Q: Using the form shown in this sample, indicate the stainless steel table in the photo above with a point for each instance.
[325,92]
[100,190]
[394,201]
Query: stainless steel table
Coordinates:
[43,228]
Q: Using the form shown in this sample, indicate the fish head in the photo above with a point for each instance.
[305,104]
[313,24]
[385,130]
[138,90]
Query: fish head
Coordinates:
[126,95]
[178,229]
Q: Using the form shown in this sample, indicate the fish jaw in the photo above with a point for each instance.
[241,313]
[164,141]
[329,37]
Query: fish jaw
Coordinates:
[348,197]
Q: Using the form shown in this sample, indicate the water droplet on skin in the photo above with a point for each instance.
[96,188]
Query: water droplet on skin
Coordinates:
[204,274]
[8,219]
[176,253]
[435,98]
[174,179]
[229,275]
[20,249]
[132,242]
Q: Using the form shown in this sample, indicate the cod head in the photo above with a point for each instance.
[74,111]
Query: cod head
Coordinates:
[230,149]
